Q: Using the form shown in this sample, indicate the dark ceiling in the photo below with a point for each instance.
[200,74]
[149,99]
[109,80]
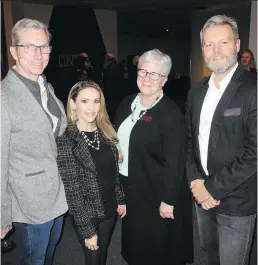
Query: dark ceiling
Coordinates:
[136,5]
[162,24]
[153,18]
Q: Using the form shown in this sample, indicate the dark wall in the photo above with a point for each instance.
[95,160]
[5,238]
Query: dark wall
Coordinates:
[74,30]
[4,60]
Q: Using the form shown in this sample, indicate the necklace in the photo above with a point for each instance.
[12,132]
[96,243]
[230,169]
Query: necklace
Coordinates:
[145,111]
[95,140]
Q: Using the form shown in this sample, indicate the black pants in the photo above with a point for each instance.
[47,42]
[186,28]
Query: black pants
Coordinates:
[99,256]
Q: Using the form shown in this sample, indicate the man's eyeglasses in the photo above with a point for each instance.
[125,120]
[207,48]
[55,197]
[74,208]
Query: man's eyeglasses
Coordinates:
[153,75]
[30,48]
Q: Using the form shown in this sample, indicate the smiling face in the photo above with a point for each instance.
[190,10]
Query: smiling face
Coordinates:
[146,85]
[246,58]
[31,65]
[220,48]
[87,105]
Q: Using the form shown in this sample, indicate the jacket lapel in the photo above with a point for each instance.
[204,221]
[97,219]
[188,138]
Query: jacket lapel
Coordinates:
[62,122]
[219,111]
[29,99]
[80,148]
[198,106]
[228,95]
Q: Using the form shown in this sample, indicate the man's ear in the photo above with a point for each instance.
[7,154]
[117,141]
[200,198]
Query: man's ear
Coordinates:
[13,52]
[238,45]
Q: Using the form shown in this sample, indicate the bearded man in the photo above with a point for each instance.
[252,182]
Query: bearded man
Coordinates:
[222,162]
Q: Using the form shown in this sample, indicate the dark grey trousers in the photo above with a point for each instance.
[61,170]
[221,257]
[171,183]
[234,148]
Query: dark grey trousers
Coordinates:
[226,239]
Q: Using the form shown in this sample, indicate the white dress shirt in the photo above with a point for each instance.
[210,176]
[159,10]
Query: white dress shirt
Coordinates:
[209,105]
[44,99]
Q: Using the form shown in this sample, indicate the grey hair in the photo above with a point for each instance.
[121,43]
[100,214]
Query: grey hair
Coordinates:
[158,57]
[25,24]
[221,20]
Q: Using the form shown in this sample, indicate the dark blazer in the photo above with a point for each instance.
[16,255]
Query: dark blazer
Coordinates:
[78,172]
[232,160]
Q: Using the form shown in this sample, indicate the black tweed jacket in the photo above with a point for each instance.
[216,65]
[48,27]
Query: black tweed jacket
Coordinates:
[78,172]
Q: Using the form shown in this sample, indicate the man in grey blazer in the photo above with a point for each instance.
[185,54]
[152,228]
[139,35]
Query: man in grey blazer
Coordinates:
[32,193]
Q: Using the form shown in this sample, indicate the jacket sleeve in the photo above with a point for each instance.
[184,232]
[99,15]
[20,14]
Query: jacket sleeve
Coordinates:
[73,189]
[241,168]
[174,150]
[120,196]
[191,168]
[6,204]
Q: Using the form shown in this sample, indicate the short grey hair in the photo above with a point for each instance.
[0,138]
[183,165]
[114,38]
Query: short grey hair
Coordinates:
[25,24]
[159,57]
[221,20]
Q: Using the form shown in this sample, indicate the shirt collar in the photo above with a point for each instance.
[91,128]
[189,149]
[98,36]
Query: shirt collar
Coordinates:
[42,85]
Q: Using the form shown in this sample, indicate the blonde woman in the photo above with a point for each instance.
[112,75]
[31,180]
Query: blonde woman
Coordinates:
[88,163]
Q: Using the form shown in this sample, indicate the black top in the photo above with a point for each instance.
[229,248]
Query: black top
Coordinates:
[106,171]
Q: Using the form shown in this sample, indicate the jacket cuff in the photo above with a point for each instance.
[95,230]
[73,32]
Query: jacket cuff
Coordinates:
[88,230]
[170,200]
[213,191]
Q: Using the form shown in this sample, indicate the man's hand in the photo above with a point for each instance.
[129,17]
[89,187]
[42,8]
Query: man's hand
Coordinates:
[192,184]
[199,191]
[166,211]
[92,243]
[121,210]
[5,230]
[210,203]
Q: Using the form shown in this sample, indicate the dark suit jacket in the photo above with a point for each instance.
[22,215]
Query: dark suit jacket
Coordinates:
[82,189]
[232,163]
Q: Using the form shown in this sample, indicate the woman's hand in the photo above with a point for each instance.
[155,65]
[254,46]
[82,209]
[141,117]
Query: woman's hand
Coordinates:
[166,211]
[92,243]
[121,210]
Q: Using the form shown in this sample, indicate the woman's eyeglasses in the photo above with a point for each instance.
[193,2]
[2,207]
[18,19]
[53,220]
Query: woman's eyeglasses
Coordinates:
[153,75]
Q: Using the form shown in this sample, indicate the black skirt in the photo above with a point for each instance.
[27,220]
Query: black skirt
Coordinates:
[148,239]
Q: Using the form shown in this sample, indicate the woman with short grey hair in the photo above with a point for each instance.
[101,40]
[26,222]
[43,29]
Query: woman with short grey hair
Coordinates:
[158,227]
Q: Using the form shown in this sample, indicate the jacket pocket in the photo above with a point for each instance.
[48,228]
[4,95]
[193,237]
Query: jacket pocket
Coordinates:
[35,173]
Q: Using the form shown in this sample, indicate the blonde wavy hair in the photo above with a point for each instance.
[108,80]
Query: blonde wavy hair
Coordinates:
[102,120]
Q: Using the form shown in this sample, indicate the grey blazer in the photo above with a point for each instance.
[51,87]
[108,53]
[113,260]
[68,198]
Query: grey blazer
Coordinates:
[31,188]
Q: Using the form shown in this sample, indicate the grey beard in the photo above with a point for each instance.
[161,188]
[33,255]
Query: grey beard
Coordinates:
[231,62]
